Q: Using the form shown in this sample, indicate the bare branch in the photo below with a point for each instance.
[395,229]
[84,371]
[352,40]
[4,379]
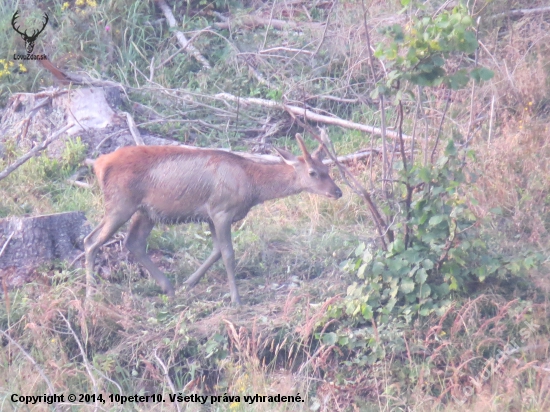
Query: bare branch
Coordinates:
[298,111]
[520,12]
[326,28]
[133,129]
[186,44]
[254,21]
[288,49]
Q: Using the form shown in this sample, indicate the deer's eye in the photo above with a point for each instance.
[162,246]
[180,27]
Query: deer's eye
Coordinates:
[313,173]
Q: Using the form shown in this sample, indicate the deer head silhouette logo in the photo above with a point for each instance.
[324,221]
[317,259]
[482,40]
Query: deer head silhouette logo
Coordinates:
[29,39]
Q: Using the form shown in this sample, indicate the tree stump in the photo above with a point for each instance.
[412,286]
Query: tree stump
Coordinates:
[28,242]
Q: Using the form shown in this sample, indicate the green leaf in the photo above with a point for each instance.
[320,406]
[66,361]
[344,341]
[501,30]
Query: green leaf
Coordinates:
[330,338]
[469,43]
[367,256]
[394,265]
[343,340]
[454,284]
[435,220]
[438,61]
[481,74]
[421,276]
[458,80]
[425,291]
[481,273]
[410,297]
[467,21]
[422,219]
[427,264]
[442,160]
[424,311]
[360,249]
[377,268]
[361,271]
[411,55]
[405,3]
[450,150]
[443,24]
[424,175]
[407,285]
[391,303]
[398,246]
[442,290]
[366,311]
[496,211]
[351,289]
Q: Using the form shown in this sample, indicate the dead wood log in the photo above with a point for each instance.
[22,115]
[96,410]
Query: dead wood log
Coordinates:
[28,242]
[520,12]
[310,115]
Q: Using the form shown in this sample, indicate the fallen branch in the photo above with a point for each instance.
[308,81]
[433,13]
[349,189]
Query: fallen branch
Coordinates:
[299,111]
[185,44]
[353,156]
[5,173]
[287,49]
[254,21]
[520,12]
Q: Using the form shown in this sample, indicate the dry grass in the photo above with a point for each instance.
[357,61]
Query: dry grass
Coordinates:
[513,165]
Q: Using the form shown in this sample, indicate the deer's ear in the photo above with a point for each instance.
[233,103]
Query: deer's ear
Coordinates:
[319,153]
[287,157]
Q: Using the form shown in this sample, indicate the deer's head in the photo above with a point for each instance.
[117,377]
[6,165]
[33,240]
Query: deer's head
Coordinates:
[312,173]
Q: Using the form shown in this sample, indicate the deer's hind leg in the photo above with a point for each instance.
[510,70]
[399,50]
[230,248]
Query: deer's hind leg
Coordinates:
[136,242]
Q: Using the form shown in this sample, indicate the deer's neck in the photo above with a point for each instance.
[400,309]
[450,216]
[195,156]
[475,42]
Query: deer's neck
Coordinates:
[273,181]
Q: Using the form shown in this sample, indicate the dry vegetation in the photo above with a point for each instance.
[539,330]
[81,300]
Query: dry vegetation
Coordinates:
[291,252]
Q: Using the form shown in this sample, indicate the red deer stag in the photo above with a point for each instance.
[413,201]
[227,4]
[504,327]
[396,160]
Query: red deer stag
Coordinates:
[176,185]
